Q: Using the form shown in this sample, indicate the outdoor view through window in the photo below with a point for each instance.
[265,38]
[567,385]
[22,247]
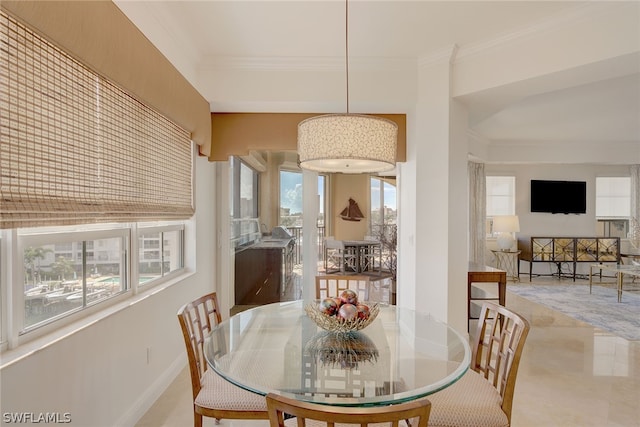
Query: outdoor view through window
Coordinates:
[64,276]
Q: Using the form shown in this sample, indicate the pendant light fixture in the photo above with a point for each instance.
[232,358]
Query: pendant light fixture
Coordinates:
[347,143]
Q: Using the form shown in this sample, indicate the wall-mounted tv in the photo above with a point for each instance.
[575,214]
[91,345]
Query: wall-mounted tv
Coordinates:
[567,197]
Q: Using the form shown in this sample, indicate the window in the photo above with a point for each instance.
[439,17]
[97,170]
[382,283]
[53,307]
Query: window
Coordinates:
[56,284]
[613,206]
[244,190]
[322,188]
[290,198]
[501,198]
[98,155]
[291,209]
[59,272]
[383,204]
[291,204]
[159,252]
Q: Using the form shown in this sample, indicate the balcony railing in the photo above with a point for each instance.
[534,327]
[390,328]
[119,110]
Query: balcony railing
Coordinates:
[296,231]
[385,232]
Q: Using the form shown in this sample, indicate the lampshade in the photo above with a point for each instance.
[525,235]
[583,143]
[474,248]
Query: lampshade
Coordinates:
[506,223]
[348,143]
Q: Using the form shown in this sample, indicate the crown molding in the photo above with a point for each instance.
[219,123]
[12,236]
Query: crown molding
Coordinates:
[578,13]
[452,54]
[446,54]
[504,152]
[478,146]
[256,161]
[478,137]
[274,63]
[475,159]
[158,26]
[309,63]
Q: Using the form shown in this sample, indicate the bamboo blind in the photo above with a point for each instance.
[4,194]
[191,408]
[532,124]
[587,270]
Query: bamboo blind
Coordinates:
[76,149]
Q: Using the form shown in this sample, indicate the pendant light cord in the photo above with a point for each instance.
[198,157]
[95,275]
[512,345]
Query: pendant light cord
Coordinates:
[346,49]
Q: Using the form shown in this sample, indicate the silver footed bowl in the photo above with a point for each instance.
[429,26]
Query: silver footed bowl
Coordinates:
[336,324]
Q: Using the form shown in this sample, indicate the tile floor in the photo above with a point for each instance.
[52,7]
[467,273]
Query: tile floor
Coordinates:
[571,374]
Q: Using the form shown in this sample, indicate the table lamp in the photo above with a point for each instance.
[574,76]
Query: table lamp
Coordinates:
[506,226]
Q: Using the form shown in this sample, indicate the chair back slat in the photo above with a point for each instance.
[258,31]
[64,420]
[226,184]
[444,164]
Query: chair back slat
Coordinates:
[197,319]
[329,286]
[500,338]
[334,244]
[417,411]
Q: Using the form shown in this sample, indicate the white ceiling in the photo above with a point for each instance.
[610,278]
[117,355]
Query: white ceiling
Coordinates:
[602,103]
[376,28]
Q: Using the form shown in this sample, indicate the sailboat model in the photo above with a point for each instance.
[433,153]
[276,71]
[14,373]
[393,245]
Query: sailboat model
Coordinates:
[351,212]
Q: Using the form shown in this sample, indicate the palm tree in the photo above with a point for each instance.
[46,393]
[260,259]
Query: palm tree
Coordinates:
[32,257]
[62,267]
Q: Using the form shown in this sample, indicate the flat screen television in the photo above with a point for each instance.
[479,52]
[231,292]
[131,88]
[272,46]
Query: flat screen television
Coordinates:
[567,197]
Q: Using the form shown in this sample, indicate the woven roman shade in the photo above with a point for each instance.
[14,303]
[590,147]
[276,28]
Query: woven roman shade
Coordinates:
[76,148]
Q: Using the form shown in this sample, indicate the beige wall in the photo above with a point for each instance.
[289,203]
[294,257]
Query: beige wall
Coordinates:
[236,134]
[101,37]
[343,187]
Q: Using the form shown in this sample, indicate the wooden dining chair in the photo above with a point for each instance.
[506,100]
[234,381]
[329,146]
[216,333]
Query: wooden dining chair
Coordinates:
[484,395]
[372,255]
[213,396]
[332,285]
[338,258]
[313,415]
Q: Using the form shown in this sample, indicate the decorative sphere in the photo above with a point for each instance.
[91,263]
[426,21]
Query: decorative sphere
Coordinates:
[338,301]
[363,311]
[328,306]
[349,297]
[347,311]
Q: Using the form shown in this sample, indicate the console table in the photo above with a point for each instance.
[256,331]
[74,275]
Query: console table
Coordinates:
[478,273]
[570,250]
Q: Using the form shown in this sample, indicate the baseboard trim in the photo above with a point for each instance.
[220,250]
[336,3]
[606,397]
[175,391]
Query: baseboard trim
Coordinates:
[153,393]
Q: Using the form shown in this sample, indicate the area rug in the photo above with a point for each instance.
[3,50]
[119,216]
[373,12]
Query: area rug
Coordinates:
[600,308]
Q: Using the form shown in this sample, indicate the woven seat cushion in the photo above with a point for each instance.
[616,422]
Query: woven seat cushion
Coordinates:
[218,393]
[470,402]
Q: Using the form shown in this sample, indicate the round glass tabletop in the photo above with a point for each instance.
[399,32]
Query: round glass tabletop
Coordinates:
[402,355]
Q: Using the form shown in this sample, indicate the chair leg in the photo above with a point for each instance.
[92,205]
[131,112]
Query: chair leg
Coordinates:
[197,420]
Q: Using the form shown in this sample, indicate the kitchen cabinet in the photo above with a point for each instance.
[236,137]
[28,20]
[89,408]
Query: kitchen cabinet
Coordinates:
[263,271]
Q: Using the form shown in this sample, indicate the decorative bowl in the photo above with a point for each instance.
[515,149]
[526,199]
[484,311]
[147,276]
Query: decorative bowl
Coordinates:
[336,324]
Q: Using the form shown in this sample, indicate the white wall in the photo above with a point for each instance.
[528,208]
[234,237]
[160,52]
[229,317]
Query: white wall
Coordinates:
[433,204]
[100,373]
[546,224]
[534,224]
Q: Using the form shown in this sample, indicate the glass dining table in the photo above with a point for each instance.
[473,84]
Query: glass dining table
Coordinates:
[400,356]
